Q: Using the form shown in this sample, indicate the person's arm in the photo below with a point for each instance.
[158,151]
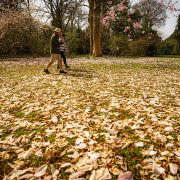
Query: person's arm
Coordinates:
[60,41]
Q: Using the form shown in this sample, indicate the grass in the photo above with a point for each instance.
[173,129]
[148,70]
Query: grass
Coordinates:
[51,138]
[5,132]
[132,155]
[101,138]
[20,131]
[174,135]
[16,111]
[34,116]
[19,114]
[39,130]
[71,140]
[128,133]
[36,161]
[64,175]
[132,83]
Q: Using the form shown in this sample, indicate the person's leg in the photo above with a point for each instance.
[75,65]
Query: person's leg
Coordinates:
[59,62]
[64,59]
[53,57]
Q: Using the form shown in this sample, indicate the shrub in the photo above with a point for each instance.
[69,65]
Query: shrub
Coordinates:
[143,47]
[20,34]
[168,47]
[78,41]
[118,45]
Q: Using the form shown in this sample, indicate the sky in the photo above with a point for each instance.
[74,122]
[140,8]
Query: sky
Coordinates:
[169,27]
[170,24]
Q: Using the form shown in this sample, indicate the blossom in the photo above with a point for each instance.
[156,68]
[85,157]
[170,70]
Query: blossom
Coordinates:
[127,28]
[110,2]
[106,21]
[137,25]
[121,7]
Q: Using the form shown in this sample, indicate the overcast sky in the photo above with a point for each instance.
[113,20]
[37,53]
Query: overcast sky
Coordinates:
[169,27]
[166,30]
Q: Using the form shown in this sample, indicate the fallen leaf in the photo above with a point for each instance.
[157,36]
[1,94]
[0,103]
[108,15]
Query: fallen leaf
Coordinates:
[173,168]
[126,176]
[41,171]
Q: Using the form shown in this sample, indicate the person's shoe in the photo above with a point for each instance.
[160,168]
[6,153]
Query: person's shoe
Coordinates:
[57,66]
[67,67]
[62,71]
[46,71]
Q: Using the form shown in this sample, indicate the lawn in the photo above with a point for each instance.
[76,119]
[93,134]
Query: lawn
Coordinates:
[105,117]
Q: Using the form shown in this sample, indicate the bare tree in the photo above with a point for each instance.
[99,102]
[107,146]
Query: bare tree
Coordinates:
[62,12]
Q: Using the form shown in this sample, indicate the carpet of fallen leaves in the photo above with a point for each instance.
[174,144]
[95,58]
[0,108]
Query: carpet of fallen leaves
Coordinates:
[108,118]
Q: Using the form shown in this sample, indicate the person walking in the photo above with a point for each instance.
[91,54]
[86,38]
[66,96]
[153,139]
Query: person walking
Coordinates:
[54,50]
[63,49]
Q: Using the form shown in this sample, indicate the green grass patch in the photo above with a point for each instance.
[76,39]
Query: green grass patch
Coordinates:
[174,135]
[36,161]
[56,156]
[71,140]
[125,114]
[101,130]
[16,111]
[5,133]
[20,131]
[128,130]
[1,106]
[40,130]
[64,175]
[101,138]
[51,138]
[19,114]
[175,117]
[34,116]
[132,155]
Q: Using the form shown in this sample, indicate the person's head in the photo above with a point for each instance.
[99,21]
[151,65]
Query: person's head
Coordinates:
[58,31]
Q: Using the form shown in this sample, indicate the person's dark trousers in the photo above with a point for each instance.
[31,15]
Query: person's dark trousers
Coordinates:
[64,58]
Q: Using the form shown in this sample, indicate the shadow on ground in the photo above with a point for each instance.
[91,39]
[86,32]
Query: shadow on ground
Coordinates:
[80,73]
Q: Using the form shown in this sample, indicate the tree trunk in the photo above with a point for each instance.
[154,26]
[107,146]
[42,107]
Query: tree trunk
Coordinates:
[91,6]
[97,49]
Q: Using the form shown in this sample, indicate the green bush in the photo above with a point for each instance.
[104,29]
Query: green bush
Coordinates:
[143,47]
[20,34]
[78,41]
[168,47]
[118,45]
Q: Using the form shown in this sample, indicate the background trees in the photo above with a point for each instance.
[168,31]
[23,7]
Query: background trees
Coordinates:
[171,46]
[62,12]
[104,27]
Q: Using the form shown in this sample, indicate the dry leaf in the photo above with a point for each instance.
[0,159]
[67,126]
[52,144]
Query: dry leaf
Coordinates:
[157,169]
[139,144]
[25,154]
[173,168]
[125,176]
[41,171]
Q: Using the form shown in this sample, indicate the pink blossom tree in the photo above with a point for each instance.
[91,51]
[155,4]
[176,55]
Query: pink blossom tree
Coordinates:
[121,18]
[137,19]
[154,12]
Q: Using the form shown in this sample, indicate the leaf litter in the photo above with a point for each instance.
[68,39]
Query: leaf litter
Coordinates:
[105,119]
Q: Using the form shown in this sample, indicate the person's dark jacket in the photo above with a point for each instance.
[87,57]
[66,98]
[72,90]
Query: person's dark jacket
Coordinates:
[54,45]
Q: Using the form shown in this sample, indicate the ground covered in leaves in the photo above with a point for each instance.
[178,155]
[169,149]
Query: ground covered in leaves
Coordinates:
[107,118]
